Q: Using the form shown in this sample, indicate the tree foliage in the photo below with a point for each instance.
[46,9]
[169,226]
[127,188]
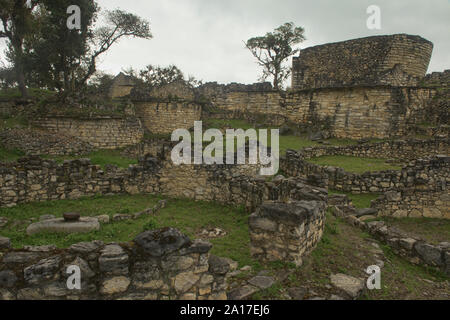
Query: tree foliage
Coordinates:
[274,48]
[156,76]
[119,24]
[54,56]
[17,23]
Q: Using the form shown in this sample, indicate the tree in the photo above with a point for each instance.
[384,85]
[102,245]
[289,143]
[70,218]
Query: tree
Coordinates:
[118,24]
[56,54]
[156,76]
[66,59]
[274,48]
[17,23]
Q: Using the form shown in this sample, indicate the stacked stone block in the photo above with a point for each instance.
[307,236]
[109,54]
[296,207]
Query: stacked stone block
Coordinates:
[286,231]
[159,265]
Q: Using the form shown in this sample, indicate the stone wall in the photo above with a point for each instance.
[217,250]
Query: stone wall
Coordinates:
[155,147]
[119,91]
[286,231]
[34,179]
[165,117]
[397,60]
[403,150]
[359,112]
[100,132]
[430,174]
[158,265]
[437,79]
[414,204]
[40,142]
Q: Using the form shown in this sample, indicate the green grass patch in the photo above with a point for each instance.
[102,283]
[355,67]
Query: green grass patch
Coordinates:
[7,155]
[186,215]
[12,122]
[14,93]
[354,164]
[360,201]
[101,158]
[431,230]
[294,142]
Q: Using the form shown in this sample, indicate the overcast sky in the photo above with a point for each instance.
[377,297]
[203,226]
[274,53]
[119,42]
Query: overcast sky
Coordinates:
[205,37]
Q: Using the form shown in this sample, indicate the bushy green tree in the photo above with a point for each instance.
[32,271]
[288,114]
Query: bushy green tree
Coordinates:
[66,59]
[17,23]
[274,48]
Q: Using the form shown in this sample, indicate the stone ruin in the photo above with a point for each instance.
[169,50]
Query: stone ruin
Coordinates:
[381,91]
[396,60]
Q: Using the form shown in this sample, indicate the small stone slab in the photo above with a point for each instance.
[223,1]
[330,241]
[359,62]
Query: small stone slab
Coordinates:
[366,212]
[297,293]
[84,225]
[241,293]
[350,285]
[46,217]
[262,282]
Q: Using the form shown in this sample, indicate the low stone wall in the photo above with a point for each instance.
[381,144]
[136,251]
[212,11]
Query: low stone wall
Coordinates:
[414,250]
[165,117]
[40,142]
[34,179]
[414,204]
[101,132]
[159,264]
[431,174]
[405,150]
[286,231]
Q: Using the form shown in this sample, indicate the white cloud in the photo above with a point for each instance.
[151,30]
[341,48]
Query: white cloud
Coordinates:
[204,37]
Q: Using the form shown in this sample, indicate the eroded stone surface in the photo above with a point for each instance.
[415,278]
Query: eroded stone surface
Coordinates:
[160,242]
[115,285]
[84,225]
[350,285]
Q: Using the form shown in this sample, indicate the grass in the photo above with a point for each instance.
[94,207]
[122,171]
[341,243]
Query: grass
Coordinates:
[360,201]
[101,158]
[294,142]
[346,249]
[343,248]
[11,122]
[354,164]
[431,230]
[7,155]
[186,215]
[14,93]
